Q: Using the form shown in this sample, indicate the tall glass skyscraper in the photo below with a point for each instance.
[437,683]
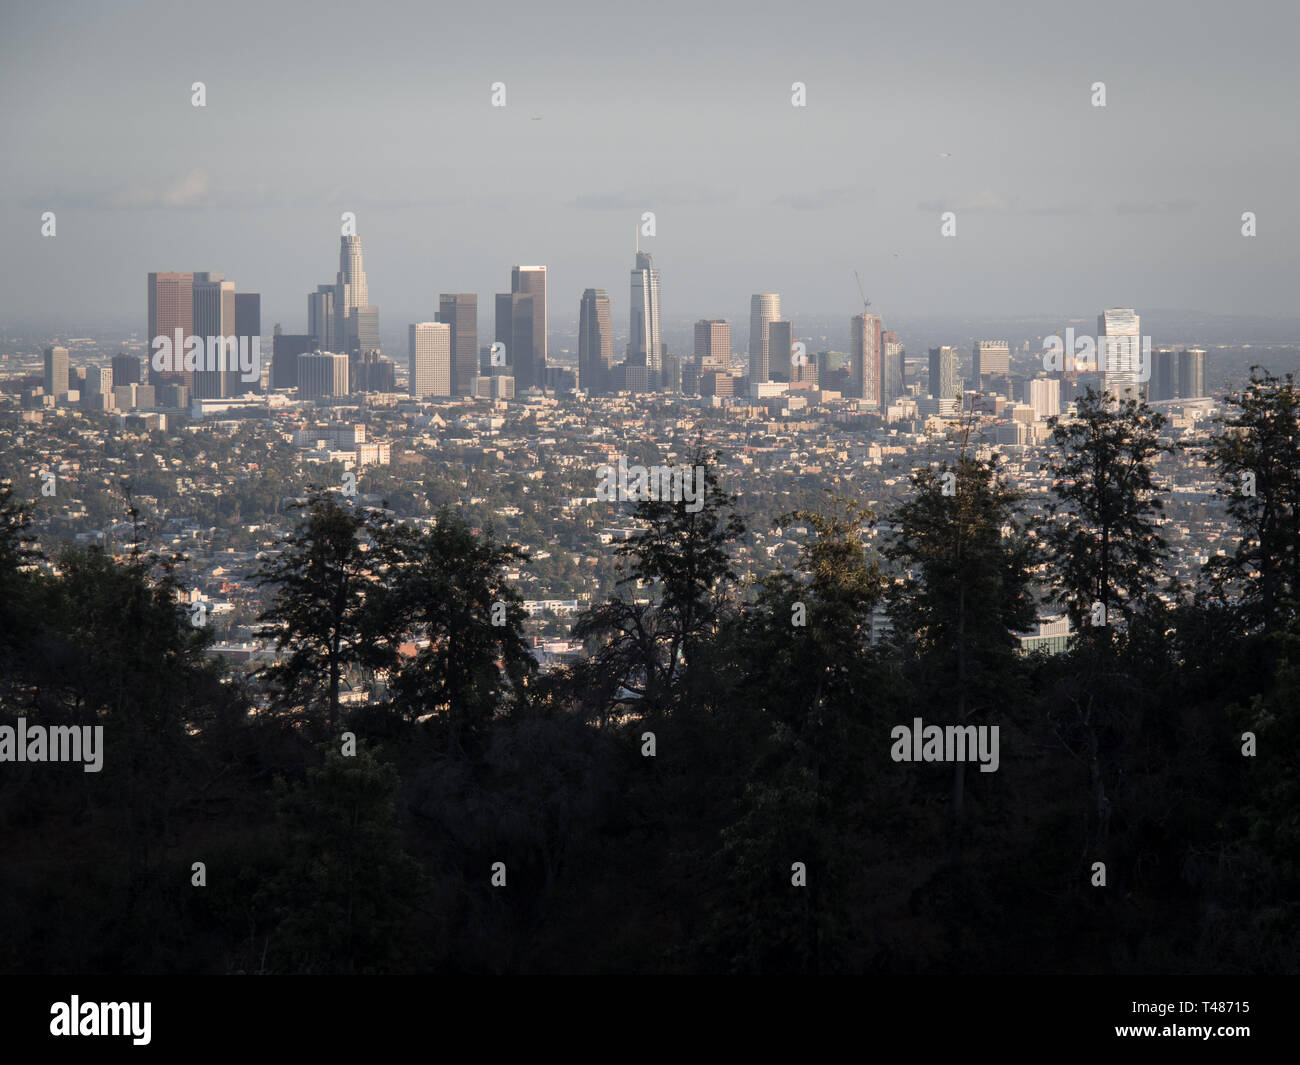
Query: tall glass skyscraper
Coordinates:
[643,346]
[764,308]
[595,342]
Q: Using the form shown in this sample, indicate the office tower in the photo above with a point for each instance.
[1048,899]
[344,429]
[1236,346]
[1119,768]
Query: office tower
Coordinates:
[717,383]
[1191,373]
[97,392]
[322,374]
[764,307]
[460,311]
[171,308]
[713,339]
[944,382]
[644,345]
[320,316]
[991,357]
[364,334]
[892,355]
[126,370]
[429,371]
[1119,352]
[248,323]
[671,379]
[864,358]
[214,316]
[780,350]
[1164,375]
[805,375]
[515,319]
[285,349]
[1045,397]
[371,372]
[595,342]
[56,371]
[351,296]
[530,364]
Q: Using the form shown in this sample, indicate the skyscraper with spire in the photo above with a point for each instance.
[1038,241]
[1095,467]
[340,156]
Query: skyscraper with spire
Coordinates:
[644,347]
[356,322]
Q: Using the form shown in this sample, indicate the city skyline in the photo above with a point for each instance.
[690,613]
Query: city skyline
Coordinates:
[1028,235]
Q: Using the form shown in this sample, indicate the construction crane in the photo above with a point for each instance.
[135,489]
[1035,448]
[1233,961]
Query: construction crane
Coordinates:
[865,302]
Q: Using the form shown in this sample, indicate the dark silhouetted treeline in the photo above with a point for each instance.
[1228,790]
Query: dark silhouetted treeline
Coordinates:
[711,789]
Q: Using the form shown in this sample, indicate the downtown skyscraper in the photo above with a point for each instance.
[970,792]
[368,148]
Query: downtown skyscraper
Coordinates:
[356,321]
[1119,352]
[944,380]
[429,370]
[530,364]
[764,308]
[866,379]
[213,316]
[459,310]
[595,342]
[171,308]
[644,347]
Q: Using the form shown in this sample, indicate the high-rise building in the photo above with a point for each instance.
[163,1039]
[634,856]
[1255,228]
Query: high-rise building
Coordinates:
[322,374]
[780,350]
[944,382]
[514,329]
[1191,373]
[1164,375]
[1045,397]
[97,393]
[320,316]
[1119,352]
[214,316]
[285,350]
[248,323]
[713,339]
[764,307]
[429,371]
[644,345]
[351,294]
[371,372]
[531,281]
[864,359]
[126,370]
[171,308]
[460,311]
[56,371]
[991,358]
[595,342]
[364,330]
[893,354]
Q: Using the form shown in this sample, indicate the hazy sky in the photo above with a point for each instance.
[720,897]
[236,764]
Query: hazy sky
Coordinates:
[682,109]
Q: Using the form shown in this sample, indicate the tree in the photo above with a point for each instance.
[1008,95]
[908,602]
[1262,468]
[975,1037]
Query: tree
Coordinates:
[1257,456]
[1103,536]
[683,554]
[967,591]
[321,579]
[447,586]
